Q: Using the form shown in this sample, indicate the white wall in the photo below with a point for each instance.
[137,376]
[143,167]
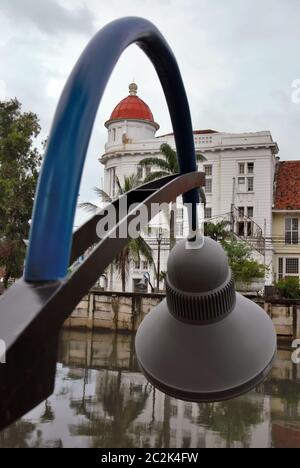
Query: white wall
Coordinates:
[223,151]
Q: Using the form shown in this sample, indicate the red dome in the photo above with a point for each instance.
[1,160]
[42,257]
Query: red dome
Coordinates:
[132,107]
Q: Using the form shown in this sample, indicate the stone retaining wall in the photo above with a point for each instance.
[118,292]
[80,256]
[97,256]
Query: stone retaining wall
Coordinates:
[118,311]
[113,311]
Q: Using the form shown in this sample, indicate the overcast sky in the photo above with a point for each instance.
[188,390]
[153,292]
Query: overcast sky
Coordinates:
[238,60]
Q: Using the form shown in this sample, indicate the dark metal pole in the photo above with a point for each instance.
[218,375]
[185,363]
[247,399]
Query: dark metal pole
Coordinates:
[159,239]
[158,265]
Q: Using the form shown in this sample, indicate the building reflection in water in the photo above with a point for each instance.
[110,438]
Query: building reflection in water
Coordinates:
[102,400]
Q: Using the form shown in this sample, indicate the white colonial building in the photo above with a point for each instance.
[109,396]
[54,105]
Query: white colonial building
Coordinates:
[239,170]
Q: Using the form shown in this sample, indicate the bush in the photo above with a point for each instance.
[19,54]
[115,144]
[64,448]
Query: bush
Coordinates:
[289,288]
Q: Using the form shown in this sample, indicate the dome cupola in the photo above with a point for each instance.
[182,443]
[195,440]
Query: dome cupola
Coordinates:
[132,108]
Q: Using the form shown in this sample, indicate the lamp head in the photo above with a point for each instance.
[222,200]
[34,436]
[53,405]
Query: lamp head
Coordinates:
[204,342]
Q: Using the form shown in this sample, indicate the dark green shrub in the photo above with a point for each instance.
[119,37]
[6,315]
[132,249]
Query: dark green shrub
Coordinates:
[289,287]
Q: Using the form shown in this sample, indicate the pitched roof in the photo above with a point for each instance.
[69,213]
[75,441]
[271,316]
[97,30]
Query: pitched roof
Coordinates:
[287,195]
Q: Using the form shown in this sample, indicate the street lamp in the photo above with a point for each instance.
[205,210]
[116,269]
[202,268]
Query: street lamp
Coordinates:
[144,281]
[159,240]
[204,342]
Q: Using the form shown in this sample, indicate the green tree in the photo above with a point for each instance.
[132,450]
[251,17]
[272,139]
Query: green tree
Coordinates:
[233,420]
[168,165]
[244,268]
[135,247]
[217,231]
[289,287]
[19,166]
[115,428]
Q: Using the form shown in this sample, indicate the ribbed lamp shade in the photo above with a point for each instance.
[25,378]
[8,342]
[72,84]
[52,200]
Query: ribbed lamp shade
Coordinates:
[204,342]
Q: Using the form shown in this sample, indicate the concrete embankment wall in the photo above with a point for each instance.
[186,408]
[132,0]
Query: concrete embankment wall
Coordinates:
[118,311]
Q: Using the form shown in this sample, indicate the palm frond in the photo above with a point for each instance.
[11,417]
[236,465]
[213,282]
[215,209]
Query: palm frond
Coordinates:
[87,206]
[158,162]
[130,182]
[144,249]
[120,188]
[155,175]
[200,157]
[102,194]
[171,158]
[122,260]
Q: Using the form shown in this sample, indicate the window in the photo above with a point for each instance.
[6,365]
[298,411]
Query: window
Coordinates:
[250,211]
[173,410]
[280,268]
[241,229]
[113,181]
[249,228]
[188,410]
[288,267]
[241,183]
[291,230]
[208,185]
[241,211]
[241,168]
[148,170]
[137,264]
[114,134]
[208,178]
[250,167]
[145,265]
[292,266]
[139,172]
[207,212]
[250,184]
[208,170]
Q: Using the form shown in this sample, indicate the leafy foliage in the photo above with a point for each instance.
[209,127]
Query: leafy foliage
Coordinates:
[289,287]
[168,165]
[244,268]
[19,166]
[135,247]
[217,231]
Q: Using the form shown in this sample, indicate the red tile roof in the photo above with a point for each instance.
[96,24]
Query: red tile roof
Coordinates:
[287,196]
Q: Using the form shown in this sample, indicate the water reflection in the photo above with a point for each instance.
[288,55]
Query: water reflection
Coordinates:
[101,400]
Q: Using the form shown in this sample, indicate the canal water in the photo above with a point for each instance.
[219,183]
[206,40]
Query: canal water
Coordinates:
[102,400]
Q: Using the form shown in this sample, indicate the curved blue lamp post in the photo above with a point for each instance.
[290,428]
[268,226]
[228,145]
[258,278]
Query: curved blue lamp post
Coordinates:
[56,197]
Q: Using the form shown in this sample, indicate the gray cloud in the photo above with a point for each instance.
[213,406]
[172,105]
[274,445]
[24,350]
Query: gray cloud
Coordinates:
[49,16]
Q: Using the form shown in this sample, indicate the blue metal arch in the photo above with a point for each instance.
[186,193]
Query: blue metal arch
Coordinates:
[58,186]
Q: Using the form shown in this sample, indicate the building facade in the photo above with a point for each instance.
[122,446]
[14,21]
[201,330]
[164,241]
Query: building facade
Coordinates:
[239,169]
[286,216]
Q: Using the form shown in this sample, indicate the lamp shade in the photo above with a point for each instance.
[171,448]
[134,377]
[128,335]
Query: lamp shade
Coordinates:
[204,342]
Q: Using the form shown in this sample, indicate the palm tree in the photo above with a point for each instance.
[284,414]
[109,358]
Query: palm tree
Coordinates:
[135,247]
[167,166]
